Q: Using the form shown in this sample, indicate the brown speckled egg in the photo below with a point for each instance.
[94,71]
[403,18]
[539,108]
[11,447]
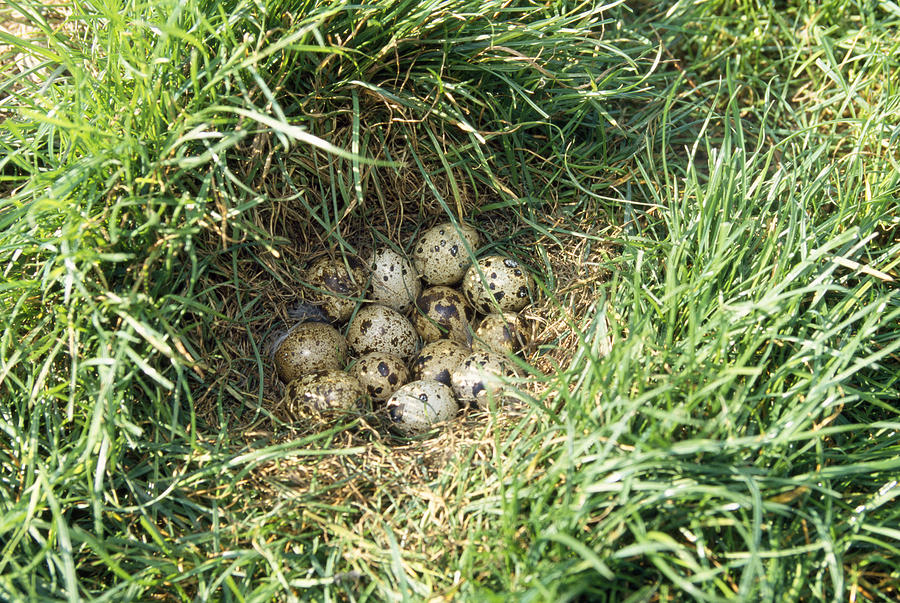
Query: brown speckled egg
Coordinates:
[442,312]
[334,288]
[395,283]
[505,281]
[309,347]
[378,328]
[440,255]
[380,373]
[417,406]
[437,360]
[323,390]
[479,375]
[498,332]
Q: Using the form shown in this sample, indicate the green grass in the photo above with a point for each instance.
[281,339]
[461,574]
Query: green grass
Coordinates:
[708,192]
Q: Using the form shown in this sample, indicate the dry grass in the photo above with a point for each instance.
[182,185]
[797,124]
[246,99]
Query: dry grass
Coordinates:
[364,477]
[55,13]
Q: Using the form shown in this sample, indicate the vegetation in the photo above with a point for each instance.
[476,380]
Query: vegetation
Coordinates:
[708,192]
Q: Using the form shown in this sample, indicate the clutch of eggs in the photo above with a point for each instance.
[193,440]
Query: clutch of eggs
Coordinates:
[388,311]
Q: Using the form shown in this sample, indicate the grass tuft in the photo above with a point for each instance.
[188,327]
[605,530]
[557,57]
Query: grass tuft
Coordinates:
[706,192]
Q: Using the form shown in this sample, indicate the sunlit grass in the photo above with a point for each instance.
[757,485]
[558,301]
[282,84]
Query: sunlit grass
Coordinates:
[708,193]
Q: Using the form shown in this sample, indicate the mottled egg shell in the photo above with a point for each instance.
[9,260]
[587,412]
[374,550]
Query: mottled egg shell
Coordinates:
[498,332]
[417,406]
[442,312]
[394,282]
[335,289]
[507,283]
[377,328]
[323,390]
[480,375]
[437,360]
[309,347]
[440,255]
[380,373]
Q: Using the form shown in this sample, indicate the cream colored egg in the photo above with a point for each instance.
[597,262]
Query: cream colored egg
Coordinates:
[442,312]
[498,332]
[418,406]
[336,286]
[309,347]
[322,391]
[395,283]
[481,375]
[440,253]
[496,283]
[438,360]
[380,373]
[377,328]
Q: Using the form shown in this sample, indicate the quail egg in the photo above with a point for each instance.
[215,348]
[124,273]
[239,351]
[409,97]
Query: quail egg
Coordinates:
[378,328]
[437,360]
[498,332]
[440,255]
[336,286]
[442,312]
[505,281]
[394,282]
[380,373]
[309,347]
[417,406]
[480,375]
[323,390]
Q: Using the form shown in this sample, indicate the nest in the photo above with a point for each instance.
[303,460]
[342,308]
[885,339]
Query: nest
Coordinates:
[353,459]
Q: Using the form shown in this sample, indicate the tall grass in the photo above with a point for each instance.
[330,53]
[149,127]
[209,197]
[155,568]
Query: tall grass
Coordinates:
[163,165]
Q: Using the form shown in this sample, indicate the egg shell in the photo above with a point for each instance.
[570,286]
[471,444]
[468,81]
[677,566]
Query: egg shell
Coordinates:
[480,375]
[377,328]
[417,406]
[437,360]
[505,281]
[335,289]
[440,255]
[498,332]
[309,347]
[442,312]
[323,390]
[395,283]
[380,374]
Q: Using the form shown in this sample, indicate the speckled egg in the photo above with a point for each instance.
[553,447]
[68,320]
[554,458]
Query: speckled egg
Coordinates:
[442,312]
[335,286]
[480,375]
[381,374]
[377,328]
[417,406]
[394,281]
[505,281]
[440,255]
[309,347]
[437,360]
[498,332]
[323,390]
